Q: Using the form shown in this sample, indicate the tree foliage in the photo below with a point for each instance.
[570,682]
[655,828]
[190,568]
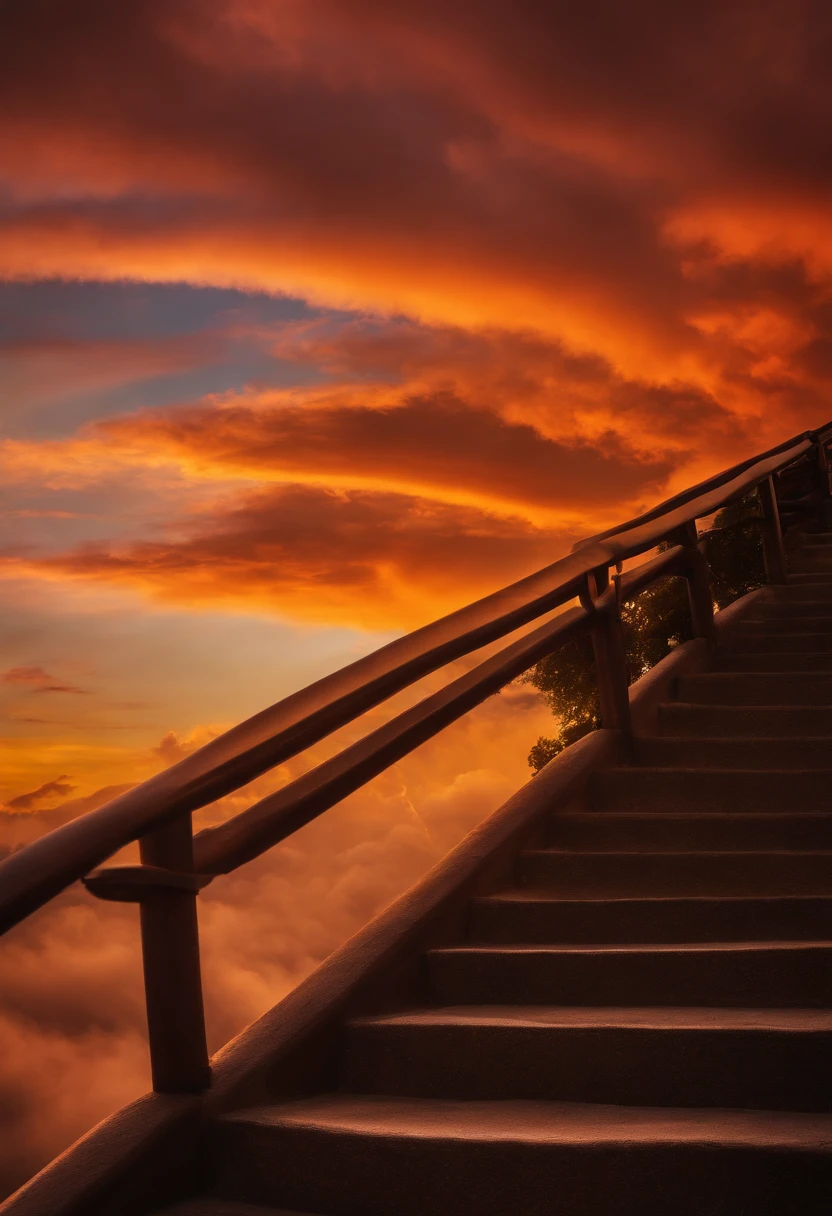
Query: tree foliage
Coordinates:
[652,624]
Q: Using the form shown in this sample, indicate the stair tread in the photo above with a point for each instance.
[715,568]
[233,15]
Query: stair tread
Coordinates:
[688,770]
[636,1017]
[740,710]
[541,1122]
[742,947]
[816,739]
[743,817]
[527,895]
[207,1206]
[665,854]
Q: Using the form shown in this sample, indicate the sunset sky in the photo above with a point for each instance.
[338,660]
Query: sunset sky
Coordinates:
[320,318]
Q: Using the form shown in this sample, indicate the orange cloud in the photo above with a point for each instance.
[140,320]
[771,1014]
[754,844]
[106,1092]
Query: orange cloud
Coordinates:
[372,560]
[35,679]
[461,166]
[59,788]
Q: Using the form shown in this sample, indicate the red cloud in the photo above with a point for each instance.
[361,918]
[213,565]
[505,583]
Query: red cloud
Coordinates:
[373,560]
[594,178]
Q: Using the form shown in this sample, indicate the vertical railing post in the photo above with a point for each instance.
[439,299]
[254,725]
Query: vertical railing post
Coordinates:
[172,980]
[698,582]
[773,553]
[823,481]
[610,657]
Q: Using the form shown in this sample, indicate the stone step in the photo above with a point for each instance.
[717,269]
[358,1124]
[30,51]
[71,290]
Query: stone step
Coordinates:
[776,1059]
[530,918]
[756,688]
[798,614]
[777,752]
[744,721]
[691,790]
[795,661]
[747,975]
[597,831]
[206,1206]
[809,561]
[799,588]
[801,577]
[750,639]
[602,875]
[382,1156]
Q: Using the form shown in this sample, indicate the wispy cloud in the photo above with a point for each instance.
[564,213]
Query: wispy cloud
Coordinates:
[35,679]
[59,788]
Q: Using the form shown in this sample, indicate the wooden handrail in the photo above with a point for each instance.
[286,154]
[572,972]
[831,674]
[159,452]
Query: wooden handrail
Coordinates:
[711,483]
[33,875]
[221,849]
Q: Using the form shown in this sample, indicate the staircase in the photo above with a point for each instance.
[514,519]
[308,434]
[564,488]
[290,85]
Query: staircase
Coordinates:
[642,1022]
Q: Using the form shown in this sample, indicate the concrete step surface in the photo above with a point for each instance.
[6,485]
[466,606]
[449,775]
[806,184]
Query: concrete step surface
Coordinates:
[799,587]
[756,640]
[388,1156]
[620,832]
[816,612]
[757,974]
[207,1206]
[521,916]
[749,688]
[679,719]
[810,561]
[763,1059]
[595,875]
[773,660]
[690,790]
[799,577]
[793,618]
[785,751]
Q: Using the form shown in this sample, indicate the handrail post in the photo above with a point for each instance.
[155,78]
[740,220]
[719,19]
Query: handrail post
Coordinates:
[698,582]
[610,657]
[823,478]
[172,980]
[773,552]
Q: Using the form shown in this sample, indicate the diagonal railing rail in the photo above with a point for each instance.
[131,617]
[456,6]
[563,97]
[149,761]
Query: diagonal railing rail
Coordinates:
[175,864]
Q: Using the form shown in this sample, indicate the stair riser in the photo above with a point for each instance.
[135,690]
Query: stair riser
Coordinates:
[689,791]
[628,875]
[632,1066]
[799,589]
[800,577]
[372,1174]
[756,660]
[739,722]
[751,641]
[734,753]
[811,561]
[629,922]
[739,979]
[730,689]
[793,610]
[791,618]
[658,833]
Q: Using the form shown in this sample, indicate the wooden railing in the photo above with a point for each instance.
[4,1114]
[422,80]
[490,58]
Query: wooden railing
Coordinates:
[175,864]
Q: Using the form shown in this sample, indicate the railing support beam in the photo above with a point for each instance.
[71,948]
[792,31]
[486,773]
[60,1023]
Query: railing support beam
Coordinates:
[773,552]
[172,980]
[610,657]
[824,487]
[698,579]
